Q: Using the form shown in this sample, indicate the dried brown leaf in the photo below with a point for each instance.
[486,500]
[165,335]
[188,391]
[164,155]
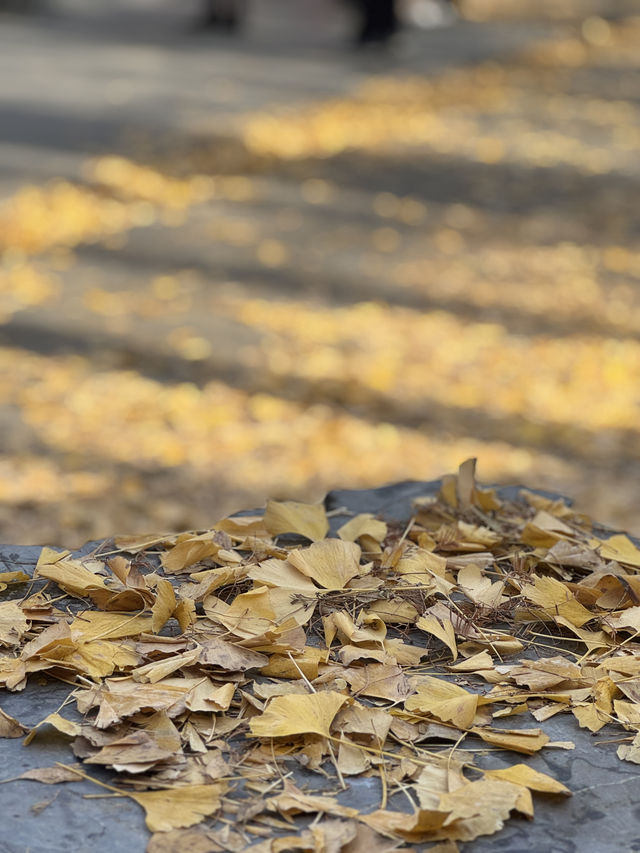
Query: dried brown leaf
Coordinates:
[183,841]
[13,623]
[51,775]
[630,752]
[10,727]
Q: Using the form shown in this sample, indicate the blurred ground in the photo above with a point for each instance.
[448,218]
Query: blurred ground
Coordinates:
[272,266]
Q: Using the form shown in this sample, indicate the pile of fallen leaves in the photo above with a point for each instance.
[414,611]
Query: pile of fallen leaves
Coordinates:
[214,670]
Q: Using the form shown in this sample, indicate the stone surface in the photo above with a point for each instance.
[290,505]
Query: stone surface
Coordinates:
[603,816]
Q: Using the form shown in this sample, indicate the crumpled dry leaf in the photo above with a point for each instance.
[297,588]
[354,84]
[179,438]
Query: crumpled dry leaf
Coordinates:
[293,801]
[13,623]
[157,670]
[135,752]
[369,724]
[420,826]
[10,727]
[437,778]
[352,760]
[481,807]
[119,698]
[480,662]
[229,656]
[630,752]
[51,775]
[163,606]
[394,611]
[183,841]
[69,574]
[209,697]
[545,530]
[379,681]
[7,578]
[306,662]
[260,611]
[99,658]
[369,630]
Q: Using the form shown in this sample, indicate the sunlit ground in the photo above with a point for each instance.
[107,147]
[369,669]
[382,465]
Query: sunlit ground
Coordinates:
[376,288]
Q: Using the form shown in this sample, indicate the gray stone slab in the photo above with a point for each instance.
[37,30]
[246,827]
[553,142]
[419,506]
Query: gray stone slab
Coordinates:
[603,816]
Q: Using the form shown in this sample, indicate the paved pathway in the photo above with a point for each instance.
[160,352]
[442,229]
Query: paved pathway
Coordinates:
[464,204]
[76,80]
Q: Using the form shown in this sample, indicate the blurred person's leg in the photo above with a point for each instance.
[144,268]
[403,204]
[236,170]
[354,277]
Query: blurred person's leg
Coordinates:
[426,14]
[378,20]
[223,14]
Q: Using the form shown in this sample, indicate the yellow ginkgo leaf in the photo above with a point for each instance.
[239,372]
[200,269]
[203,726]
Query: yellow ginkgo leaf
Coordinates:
[309,520]
[443,631]
[330,563]
[522,774]
[296,714]
[187,553]
[621,549]
[12,577]
[545,530]
[95,625]
[163,606]
[630,751]
[480,661]
[556,600]
[490,800]
[445,701]
[61,724]
[526,741]
[70,575]
[281,573]
[365,524]
[100,658]
[155,671]
[10,727]
[13,623]
[179,807]
[293,801]
[479,588]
